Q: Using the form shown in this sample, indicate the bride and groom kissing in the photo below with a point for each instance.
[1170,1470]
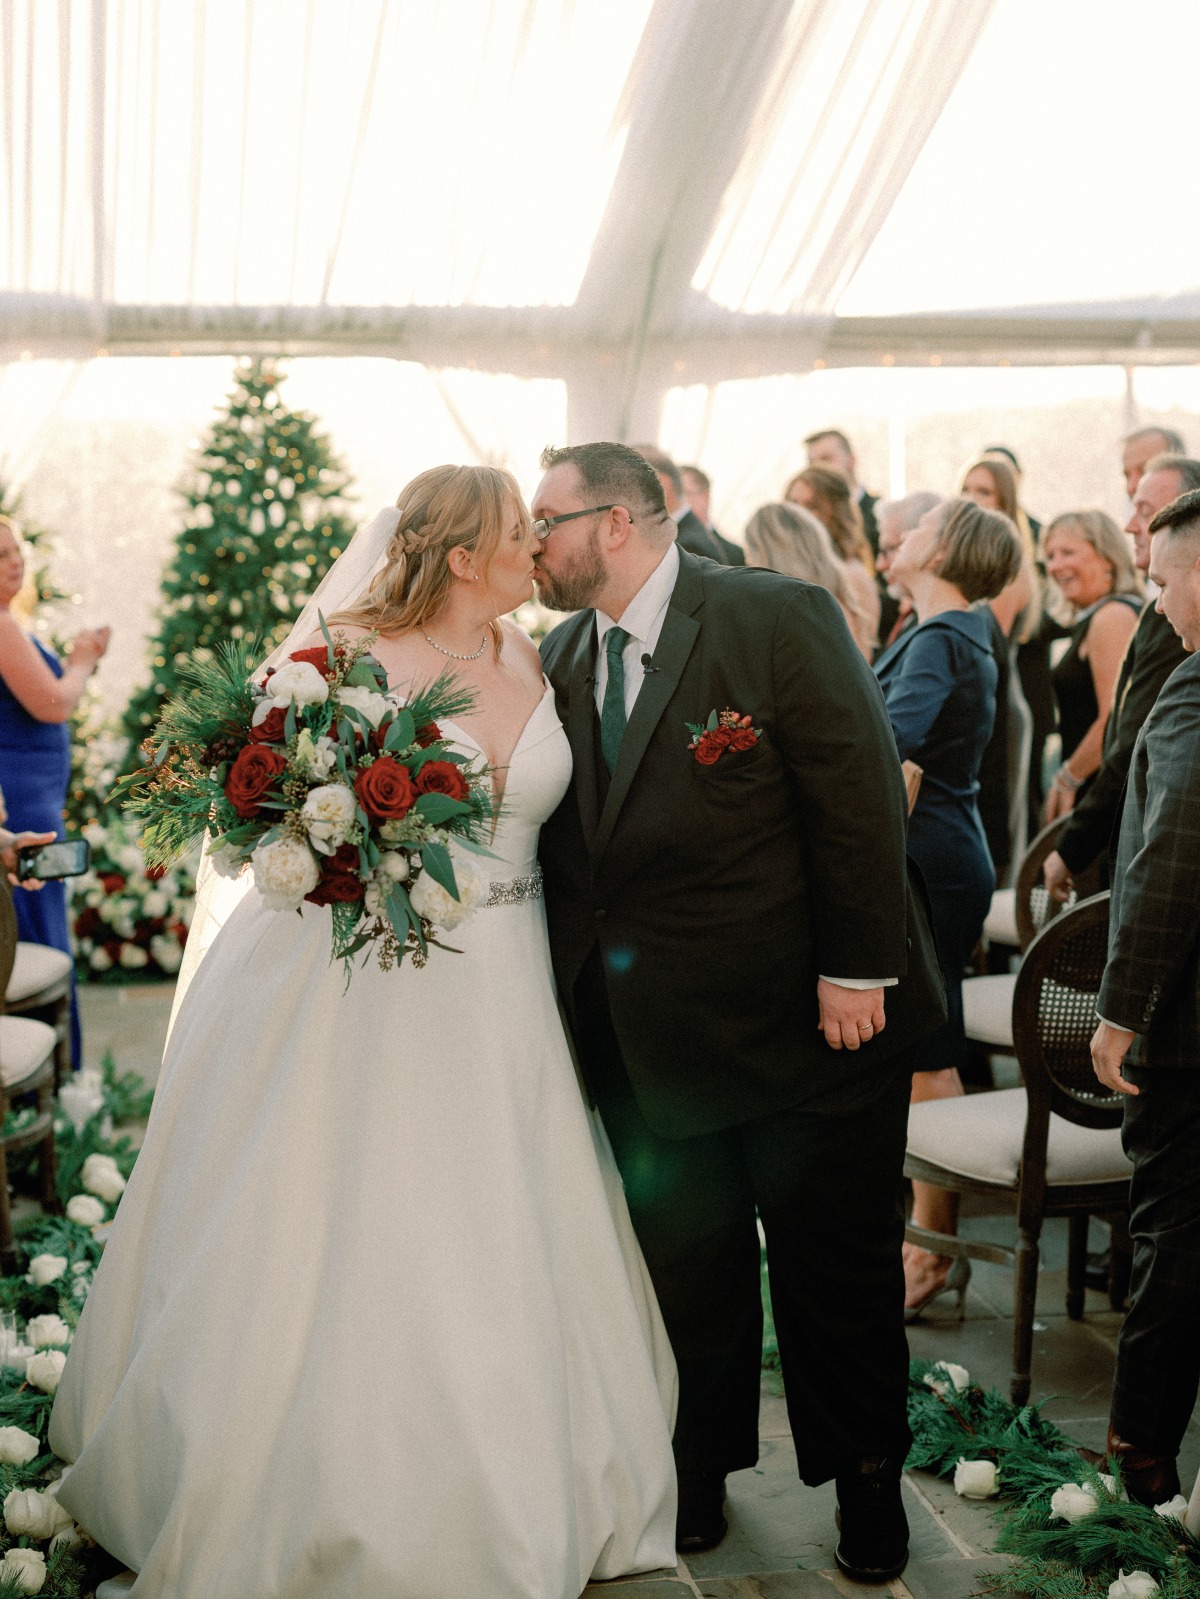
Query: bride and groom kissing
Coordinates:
[391,1310]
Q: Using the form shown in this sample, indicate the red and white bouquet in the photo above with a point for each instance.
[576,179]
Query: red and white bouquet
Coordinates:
[324,787]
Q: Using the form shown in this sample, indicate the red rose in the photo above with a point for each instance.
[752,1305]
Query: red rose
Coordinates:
[271,729]
[442,777]
[112,882]
[429,734]
[385,790]
[744,738]
[252,776]
[318,656]
[708,749]
[339,884]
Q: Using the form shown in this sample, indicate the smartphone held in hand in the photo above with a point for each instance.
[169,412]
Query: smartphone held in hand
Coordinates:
[66,857]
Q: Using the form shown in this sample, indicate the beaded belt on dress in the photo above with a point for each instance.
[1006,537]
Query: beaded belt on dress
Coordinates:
[516,890]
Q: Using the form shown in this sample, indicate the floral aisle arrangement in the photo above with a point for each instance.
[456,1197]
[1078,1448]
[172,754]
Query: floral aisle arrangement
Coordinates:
[129,918]
[1072,1532]
[326,789]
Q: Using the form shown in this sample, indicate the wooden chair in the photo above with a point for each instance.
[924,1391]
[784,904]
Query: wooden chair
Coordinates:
[27,1066]
[40,986]
[1052,1147]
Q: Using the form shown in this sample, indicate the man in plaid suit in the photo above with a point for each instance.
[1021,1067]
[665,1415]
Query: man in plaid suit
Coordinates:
[1148,1043]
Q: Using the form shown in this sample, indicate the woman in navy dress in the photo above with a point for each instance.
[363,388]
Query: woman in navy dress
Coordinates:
[939,682]
[37,695]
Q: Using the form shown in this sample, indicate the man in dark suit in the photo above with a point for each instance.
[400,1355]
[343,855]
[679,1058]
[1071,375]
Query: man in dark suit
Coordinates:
[1148,1042]
[692,534]
[1152,655]
[727,898]
[831,448]
[697,490]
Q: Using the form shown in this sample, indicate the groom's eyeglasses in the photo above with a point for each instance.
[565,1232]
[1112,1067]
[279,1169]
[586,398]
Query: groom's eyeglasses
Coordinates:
[543,528]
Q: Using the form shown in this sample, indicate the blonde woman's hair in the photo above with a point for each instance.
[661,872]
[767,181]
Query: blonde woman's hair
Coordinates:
[448,506]
[981,550]
[790,540]
[1109,543]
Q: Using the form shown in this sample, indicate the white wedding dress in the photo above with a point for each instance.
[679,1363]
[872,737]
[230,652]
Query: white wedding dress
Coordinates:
[372,1322]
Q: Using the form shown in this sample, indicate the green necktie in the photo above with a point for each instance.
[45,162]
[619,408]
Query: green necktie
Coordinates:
[612,712]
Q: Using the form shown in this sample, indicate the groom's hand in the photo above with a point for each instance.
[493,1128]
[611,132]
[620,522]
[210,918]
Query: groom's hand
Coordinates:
[849,1017]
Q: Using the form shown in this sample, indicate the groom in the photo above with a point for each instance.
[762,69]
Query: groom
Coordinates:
[746,970]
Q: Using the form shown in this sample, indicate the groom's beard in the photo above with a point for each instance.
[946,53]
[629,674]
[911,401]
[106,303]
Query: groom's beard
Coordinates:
[578,584]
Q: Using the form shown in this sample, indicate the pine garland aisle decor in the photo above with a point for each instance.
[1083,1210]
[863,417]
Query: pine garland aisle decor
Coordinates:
[265,516]
[1067,1524]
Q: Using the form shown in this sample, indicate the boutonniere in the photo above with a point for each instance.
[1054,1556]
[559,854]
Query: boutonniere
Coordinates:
[724,730]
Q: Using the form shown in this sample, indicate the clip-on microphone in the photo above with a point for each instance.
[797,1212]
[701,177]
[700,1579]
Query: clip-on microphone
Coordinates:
[648,665]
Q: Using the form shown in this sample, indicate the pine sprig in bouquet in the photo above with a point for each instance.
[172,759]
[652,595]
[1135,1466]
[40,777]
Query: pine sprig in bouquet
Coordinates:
[326,789]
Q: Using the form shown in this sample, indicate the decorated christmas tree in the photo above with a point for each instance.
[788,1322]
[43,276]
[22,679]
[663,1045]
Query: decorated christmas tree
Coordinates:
[265,517]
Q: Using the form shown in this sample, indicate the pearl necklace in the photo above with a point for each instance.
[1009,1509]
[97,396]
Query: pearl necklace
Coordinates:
[453,654]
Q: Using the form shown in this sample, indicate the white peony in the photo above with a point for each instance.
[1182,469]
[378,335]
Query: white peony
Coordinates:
[133,957]
[44,1369]
[1072,1502]
[167,952]
[366,702]
[394,864]
[226,860]
[946,1378]
[102,1176]
[45,1269]
[30,1514]
[329,813]
[100,960]
[18,1447]
[975,1479]
[1175,1508]
[430,899]
[85,1210]
[295,683]
[47,1332]
[1132,1585]
[284,872]
[27,1566]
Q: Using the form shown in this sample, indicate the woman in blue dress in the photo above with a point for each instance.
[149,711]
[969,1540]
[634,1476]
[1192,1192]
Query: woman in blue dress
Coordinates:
[37,696]
[939,683]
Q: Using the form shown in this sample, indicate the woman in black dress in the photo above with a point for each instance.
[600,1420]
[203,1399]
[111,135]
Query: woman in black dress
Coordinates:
[939,682]
[1088,557]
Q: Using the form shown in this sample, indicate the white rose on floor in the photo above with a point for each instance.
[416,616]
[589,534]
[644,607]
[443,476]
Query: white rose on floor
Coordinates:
[1133,1585]
[1176,1508]
[329,813]
[975,1479]
[133,957]
[167,951]
[430,899]
[44,1369]
[295,683]
[373,706]
[1111,1484]
[226,860]
[284,872]
[18,1447]
[28,1566]
[45,1269]
[1072,1502]
[394,864]
[947,1378]
[102,1176]
[68,1538]
[47,1332]
[86,1210]
[30,1514]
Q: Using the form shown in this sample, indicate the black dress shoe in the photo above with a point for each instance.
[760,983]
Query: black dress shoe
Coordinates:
[874,1529]
[700,1523]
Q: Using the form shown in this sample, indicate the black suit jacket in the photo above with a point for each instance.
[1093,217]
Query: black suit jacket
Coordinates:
[732,554]
[870,526]
[1152,980]
[1152,655]
[718,894]
[697,539]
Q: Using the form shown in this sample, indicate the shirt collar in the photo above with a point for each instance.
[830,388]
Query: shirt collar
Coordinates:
[647,605]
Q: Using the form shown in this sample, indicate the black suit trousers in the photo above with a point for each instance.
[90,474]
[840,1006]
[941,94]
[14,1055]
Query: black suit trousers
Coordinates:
[1158,1357]
[829,1192]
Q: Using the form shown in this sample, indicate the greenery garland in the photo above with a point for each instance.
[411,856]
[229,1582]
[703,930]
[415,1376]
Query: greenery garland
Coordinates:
[1111,1549]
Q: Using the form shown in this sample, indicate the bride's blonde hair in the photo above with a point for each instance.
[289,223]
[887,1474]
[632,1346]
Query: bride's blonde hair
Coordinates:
[448,506]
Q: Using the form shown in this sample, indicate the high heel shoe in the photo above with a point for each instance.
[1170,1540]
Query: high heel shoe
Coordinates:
[956,1282]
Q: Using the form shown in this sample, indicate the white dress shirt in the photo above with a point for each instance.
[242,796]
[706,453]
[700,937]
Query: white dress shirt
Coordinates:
[643,620]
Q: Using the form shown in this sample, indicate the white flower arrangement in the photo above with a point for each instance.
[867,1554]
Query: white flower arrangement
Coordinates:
[126,923]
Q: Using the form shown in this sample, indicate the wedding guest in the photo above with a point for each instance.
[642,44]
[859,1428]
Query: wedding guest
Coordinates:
[692,534]
[790,540]
[697,491]
[939,684]
[1006,454]
[830,448]
[1141,446]
[829,497]
[1147,1045]
[895,518]
[1088,559]
[37,696]
[1153,654]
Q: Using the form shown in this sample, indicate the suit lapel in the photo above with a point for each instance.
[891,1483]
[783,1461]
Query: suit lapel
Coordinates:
[580,716]
[680,627]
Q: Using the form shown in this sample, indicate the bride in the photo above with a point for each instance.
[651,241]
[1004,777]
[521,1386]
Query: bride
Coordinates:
[372,1323]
